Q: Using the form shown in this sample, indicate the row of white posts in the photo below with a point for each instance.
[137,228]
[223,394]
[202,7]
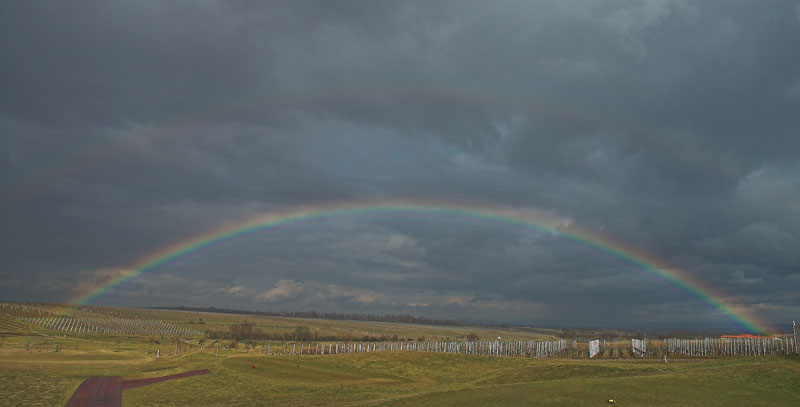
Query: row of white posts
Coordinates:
[639,347]
[109,325]
[708,347]
[539,349]
[730,346]
[18,310]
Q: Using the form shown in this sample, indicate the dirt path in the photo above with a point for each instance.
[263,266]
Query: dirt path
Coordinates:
[98,391]
[106,391]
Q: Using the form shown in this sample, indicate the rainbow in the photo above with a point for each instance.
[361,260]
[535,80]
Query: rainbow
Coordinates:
[537,220]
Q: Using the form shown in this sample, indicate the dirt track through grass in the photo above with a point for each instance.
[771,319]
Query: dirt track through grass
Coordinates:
[106,391]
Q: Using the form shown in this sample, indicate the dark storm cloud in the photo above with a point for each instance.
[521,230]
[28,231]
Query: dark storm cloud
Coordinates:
[670,125]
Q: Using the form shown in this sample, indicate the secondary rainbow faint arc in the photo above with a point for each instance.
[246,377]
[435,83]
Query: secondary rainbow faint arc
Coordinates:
[92,155]
[539,222]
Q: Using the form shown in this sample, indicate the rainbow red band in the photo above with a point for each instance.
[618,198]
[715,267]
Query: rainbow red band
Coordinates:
[535,220]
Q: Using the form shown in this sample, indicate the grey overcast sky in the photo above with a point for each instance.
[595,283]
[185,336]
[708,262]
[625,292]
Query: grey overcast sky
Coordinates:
[670,125]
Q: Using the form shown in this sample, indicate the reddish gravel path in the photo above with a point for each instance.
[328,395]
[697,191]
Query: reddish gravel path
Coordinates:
[98,391]
[106,391]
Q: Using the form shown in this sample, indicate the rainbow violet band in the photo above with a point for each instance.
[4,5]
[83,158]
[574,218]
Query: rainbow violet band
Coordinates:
[541,221]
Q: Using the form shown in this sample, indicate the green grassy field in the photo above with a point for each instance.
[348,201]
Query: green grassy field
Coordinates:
[43,367]
[48,378]
[417,379]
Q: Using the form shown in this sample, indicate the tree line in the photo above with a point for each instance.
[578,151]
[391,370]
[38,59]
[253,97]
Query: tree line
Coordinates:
[249,331]
[399,318]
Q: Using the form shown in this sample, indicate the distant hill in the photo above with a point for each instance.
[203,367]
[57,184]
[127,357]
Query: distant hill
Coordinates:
[405,319]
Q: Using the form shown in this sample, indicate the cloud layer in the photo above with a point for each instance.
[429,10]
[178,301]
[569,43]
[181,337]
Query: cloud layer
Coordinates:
[669,125]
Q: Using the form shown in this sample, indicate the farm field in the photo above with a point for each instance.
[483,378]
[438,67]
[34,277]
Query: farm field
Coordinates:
[195,324]
[43,364]
[403,379]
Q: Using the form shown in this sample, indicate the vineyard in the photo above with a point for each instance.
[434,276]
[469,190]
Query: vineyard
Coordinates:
[305,336]
[261,359]
[10,326]
[111,326]
[21,319]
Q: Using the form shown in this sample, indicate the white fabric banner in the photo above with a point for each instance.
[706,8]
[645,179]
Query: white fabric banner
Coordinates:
[594,348]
